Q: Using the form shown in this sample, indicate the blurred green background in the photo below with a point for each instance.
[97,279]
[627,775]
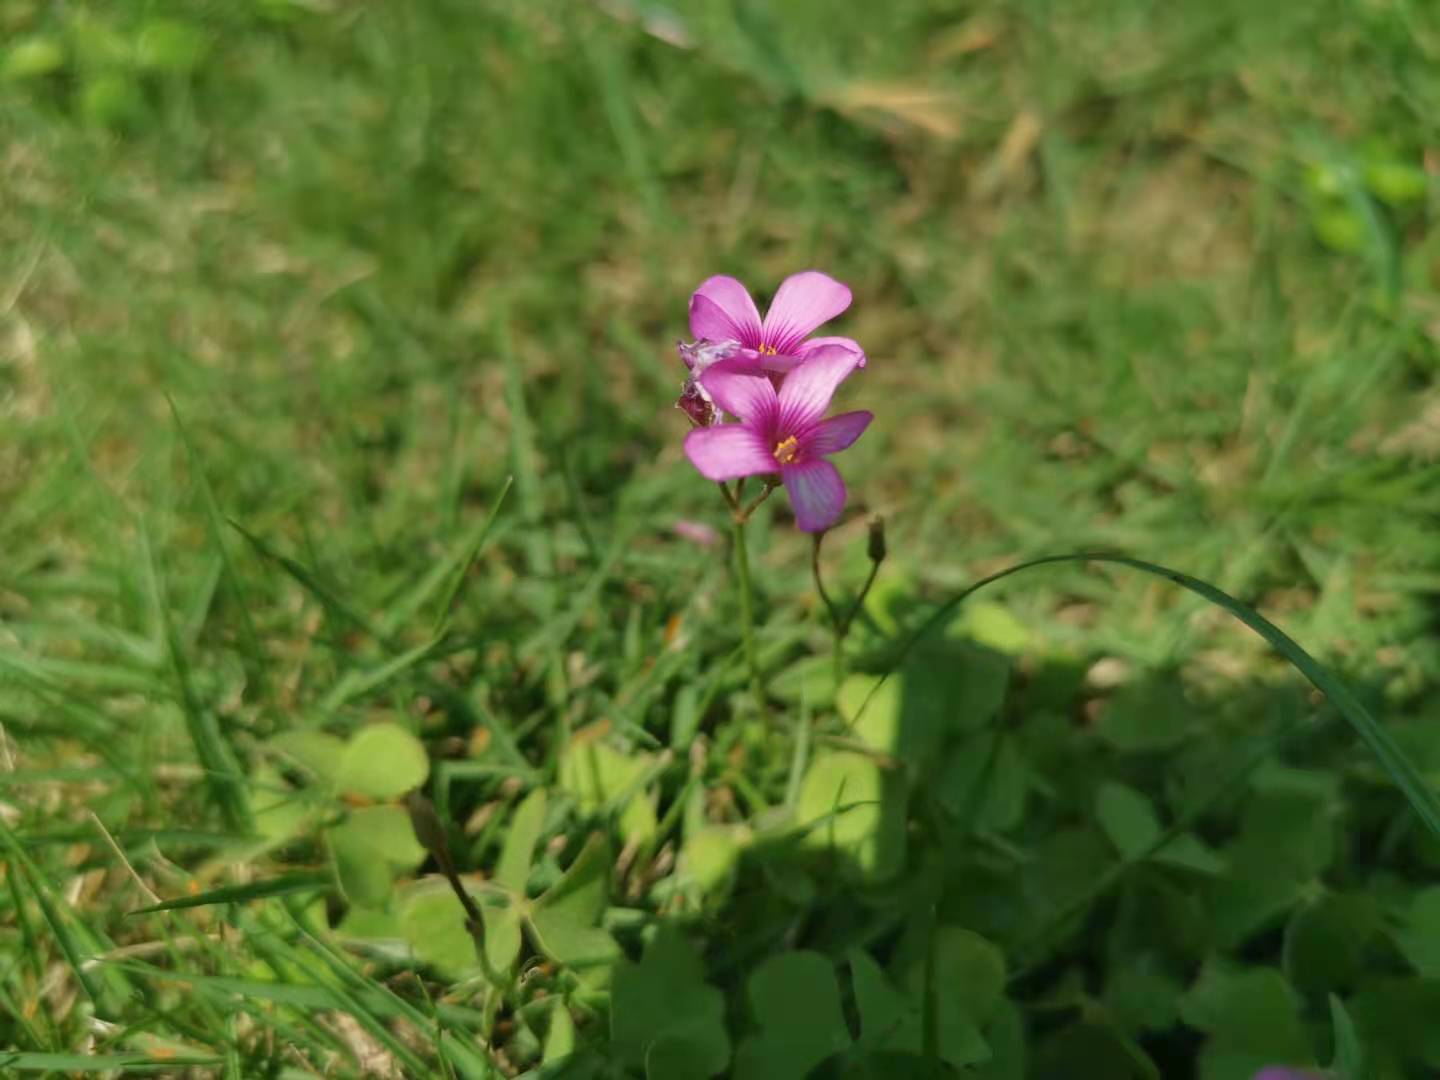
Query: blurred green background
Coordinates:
[1134,276]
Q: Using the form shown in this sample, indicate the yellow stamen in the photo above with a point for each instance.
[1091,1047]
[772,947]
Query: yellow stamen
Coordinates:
[766,350]
[787,451]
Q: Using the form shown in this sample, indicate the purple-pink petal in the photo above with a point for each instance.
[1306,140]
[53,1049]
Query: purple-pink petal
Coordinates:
[807,390]
[742,392]
[699,355]
[753,360]
[834,434]
[803,302]
[721,309]
[805,348]
[1280,1072]
[729,451]
[816,492]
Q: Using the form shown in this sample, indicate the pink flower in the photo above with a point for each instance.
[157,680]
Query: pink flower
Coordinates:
[783,431]
[721,310]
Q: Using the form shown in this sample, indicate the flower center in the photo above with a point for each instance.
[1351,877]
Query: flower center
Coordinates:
[787,451]
[767,350]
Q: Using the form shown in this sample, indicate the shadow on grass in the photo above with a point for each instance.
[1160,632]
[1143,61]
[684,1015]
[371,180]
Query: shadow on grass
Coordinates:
[1138,880]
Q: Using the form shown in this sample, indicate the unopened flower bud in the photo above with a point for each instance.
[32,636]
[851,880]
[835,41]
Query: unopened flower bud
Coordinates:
[696,404]
[698,356]
[876,548]
[425,823]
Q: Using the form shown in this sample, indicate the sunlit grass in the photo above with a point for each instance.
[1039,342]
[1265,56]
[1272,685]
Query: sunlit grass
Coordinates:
[1157,282]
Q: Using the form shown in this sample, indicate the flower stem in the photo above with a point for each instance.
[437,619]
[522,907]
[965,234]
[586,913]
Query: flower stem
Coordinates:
[747,615]
[860,599]
[840,623]
[754,504]
[820,581]
[837,632]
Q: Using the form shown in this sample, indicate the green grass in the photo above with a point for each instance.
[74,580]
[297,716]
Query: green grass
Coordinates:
[336,365]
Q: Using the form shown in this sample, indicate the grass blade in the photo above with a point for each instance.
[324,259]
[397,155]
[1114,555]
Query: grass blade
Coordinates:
[222,766]
[238,894]
[557,629]
[449,571]
[309,582]
[357,684]
[1417,792]
[345,998]
[214,522]
[74,950]
[458,585]
[100,1063]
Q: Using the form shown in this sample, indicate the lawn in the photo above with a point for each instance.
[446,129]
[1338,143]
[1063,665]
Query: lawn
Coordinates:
[338,460]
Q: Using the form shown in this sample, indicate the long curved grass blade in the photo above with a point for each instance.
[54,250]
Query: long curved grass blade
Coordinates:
[71,946]
[223,774]
[308,581]
[214,522]
[444,578]
[457,583]
[239,894]
[133,1064]
[1417,791]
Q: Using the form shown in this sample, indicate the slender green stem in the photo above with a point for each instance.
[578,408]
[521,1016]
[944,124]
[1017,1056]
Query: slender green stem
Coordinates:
[840,624]
[747,615]
[859,599]
[842,627]
[754,504]
[837,631]
[431,834]
[820,581]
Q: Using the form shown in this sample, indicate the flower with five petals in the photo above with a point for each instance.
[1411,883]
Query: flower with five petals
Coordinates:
[784,431]
[721,310]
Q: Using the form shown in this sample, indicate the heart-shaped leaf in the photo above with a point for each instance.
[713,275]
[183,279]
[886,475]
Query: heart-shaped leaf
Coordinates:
[382,761]
[852,806]
[563,922]
[889,1020]
[512,871]
[711,853]
[664,1017]
[433,923]
[598,775]
[1252,1018]
[317,752]
[1127,818]
[796,1004]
